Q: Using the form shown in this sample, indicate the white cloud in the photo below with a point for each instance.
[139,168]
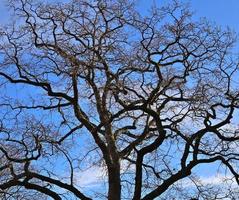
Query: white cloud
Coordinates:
[216,180]
[95,176]
[91,177]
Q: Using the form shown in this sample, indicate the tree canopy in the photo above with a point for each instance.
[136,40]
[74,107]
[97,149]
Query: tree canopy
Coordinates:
[97,86]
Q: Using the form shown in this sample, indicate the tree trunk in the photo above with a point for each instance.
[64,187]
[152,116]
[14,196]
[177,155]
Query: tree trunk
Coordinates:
[114,192]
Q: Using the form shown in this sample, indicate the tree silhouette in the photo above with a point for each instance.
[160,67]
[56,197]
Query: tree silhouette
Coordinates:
[96,85]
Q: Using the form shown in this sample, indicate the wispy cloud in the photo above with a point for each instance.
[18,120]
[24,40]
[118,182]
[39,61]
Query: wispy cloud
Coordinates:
[95,176]
[91,177]
[216,180]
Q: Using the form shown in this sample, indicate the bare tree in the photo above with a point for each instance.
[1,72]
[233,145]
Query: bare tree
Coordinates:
[145,99]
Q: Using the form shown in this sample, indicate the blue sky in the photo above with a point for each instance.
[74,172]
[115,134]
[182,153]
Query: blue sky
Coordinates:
[223,12]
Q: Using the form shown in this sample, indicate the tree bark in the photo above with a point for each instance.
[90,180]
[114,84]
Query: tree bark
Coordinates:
[114,192]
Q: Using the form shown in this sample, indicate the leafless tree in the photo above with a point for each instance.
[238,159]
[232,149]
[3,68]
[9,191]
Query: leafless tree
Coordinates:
[96,85]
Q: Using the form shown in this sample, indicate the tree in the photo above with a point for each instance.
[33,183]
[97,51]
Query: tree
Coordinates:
[145,99]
